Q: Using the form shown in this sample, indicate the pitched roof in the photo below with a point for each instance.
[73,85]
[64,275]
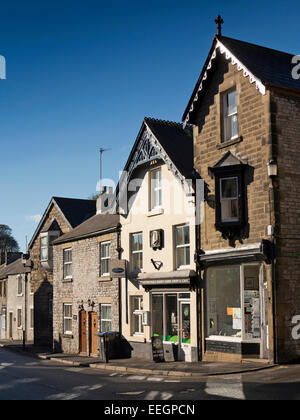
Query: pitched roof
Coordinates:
[177,142]
[91,227]
[16,267]
[266,67]
[74,210]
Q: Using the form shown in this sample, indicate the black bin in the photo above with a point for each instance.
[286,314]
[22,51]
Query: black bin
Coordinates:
[110,345]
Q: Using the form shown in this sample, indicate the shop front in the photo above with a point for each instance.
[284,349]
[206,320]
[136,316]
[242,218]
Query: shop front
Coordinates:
[236,308]
[173,316]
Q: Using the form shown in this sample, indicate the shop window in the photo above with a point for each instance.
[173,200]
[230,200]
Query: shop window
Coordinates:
[67,258]
[105,318]
[166,319]
[105,258]
[67,313]
[137,315]
[233,302]
[182,246]
[230,115]
[137,251]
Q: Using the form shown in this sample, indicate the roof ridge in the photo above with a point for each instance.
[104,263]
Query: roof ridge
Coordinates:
[255,45]
[69,198]
[163,121]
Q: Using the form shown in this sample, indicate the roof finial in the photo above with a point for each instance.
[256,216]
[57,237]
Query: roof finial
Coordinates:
[219,22]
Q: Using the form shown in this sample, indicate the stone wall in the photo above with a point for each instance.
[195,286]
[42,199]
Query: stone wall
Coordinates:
[86,284]
[42,283]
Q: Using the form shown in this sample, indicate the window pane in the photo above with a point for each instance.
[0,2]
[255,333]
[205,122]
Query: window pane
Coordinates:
[231,102]
[186,322]
[105,326]
[137,261]
[106,312]
[44,254]
[68,270]
[157,315]
[229,188]
[105,248]
[68,311]
[252,302]
[234,126]
[186,231]
[172,320]
[224,301]
[137,242]
[68,255]
[44,241]
[229,210]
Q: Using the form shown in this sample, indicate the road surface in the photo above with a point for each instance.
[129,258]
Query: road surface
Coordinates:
[25,378]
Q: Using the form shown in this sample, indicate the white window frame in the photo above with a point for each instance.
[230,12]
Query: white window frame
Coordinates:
[235,219]
[137,313]
[180,267]
[47,235]
[155,190]
[67,263]
[134,269]
[105,319]
[104,274]
[20,286]
[69,318]
[20,325]
[227,117]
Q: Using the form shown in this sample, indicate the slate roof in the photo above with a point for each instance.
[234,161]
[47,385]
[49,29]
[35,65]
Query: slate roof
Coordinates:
[177,142]
[95,225]
[270,66]
[75,210]
[17,267]
[273,68]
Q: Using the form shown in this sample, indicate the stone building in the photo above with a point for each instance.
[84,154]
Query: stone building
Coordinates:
[159,298]
[6,258]
[17,318]
[61,216]
[86,298]
[245,115]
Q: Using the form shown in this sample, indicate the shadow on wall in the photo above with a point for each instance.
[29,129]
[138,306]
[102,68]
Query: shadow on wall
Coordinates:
[43,314]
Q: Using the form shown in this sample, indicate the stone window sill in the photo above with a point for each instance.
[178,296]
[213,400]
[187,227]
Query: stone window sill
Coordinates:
[68,336]
[229,143]
[67,280]
[104,279]
[155,212]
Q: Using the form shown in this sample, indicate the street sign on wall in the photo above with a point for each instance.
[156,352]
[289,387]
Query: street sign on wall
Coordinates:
[117,269]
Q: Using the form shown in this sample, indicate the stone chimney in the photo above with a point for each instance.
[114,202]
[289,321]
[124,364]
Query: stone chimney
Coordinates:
[105,201]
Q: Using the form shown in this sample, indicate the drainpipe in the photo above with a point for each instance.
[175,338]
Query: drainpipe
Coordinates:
[119,250]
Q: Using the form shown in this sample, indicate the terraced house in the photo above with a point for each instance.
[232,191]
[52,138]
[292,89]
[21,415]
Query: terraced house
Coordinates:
[61,216]
[245,115]
[159,297]
[86,298]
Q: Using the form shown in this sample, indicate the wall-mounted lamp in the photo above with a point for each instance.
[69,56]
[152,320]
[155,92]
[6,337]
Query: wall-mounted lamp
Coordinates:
[80,306]
[91,303]
[272,168]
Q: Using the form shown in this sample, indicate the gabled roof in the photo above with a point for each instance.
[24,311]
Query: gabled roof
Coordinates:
[75,211]
[16,267]
[91,227]
[170,140]
[265,67]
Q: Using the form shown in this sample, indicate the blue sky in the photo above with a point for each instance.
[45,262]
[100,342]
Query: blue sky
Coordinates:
[81,75]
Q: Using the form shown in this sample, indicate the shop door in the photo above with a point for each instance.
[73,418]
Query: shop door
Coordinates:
[265,326]
[82,335]
[93,334]
[184,345]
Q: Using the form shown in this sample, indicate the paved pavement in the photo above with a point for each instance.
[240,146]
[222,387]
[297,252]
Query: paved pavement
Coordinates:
[25,378]
[170,369]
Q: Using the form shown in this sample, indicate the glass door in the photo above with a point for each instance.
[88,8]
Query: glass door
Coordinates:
[184,347]
[251,303]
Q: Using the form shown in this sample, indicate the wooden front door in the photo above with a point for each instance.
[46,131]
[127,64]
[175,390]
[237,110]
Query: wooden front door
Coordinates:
[93,334]
[82,333]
